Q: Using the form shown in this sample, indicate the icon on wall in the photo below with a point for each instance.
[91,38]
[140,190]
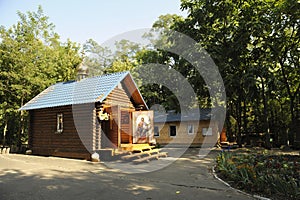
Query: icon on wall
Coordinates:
[143,127]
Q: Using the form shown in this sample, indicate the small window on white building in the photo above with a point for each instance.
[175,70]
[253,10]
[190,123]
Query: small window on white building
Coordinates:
[156,131]
[59,123]
[172,131]
[206,131]
[190,129]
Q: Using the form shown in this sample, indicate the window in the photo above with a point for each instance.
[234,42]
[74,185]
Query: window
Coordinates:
[206,131]
[190,129]
[172,131]
[59,123]
[156,131]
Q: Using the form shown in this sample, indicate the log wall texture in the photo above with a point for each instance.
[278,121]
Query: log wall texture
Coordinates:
[45,140]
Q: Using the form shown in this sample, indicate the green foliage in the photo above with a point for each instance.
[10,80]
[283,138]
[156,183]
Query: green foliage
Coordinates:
[97,57]
[254,45]
[270,175]
[31,59]
[102,60]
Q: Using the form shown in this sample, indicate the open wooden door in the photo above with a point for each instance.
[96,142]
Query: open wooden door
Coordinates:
[126,133]
[112,126]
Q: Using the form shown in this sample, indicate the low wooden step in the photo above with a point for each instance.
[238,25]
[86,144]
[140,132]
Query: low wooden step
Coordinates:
[142,149]
[136,147]
[150,157]
[139,155]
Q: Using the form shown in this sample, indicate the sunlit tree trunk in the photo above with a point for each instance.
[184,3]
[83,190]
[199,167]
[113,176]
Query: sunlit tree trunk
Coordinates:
[4,133]
[266,118]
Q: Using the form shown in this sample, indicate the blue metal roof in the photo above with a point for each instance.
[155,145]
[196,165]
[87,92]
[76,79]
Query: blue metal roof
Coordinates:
[193,115]
[88,90]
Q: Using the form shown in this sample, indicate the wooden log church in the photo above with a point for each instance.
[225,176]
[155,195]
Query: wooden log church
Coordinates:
[77,118]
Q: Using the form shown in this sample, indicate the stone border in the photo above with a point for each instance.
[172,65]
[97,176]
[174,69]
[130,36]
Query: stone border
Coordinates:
[242,192]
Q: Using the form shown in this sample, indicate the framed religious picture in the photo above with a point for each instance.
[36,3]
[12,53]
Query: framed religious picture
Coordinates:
[142,122]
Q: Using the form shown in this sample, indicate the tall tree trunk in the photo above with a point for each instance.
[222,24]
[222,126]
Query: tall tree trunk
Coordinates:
[4,133]
[245,122]
[229,125]
[266,119]
[21,127]
[293,125]
[239,122]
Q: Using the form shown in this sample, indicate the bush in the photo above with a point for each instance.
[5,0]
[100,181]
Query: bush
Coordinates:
[269,175]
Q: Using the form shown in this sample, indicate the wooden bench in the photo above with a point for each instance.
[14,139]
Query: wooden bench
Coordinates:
[139,155]
[150,157]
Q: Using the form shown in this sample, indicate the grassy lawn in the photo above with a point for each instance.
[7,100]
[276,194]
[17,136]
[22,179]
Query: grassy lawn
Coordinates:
[263,173]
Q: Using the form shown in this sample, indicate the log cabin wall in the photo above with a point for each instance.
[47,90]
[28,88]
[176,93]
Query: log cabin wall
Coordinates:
[84,117]
[119,96]
[182,136]
[45,140]
[30,129]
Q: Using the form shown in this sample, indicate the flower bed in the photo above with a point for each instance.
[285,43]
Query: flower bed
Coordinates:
[273,176]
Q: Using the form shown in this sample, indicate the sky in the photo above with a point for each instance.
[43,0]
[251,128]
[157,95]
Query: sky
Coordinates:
[80,20]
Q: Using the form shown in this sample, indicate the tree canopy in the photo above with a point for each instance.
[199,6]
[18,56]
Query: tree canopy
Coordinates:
[31,59]
[255,44]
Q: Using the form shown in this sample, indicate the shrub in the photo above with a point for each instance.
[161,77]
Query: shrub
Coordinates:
[269,175]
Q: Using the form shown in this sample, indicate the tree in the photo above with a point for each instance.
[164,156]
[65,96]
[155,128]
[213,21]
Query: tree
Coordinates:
[124,57]
[255,45]
[97,58]
[283,43]
[102,60]
[31,59]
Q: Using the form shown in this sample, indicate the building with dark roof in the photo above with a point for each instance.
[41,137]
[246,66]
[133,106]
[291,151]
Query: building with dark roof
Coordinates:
[188,128]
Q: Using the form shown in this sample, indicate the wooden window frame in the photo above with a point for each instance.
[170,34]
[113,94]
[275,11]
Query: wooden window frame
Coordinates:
[59,123]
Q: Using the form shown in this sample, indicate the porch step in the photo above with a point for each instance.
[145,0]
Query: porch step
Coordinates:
[150,157]
[139,155]
[136,147]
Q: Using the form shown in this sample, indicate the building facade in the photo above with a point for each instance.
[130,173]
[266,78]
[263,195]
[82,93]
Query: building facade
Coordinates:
[77,118]
[176,129]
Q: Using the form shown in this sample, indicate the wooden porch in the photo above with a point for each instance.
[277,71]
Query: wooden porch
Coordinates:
[135,153]
[136,147]
[139,153]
